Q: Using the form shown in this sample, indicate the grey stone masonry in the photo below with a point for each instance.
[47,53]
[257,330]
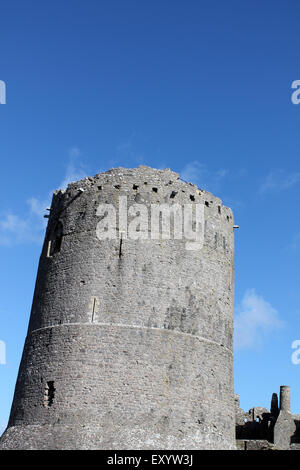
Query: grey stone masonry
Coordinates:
[277,429]
[129,344]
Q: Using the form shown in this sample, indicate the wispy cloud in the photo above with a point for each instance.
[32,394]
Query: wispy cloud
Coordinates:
[15,230]
[197,173]
[279,180]
[255,319]
[37,206]
[30,227]
[131,151]
[75,170]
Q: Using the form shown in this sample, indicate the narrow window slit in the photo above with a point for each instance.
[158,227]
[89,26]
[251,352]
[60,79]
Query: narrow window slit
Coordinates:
[173,194]
[54,245]
[192,198]
[93,309]
[135,186]
[154,190]
[120,247]
[49,394]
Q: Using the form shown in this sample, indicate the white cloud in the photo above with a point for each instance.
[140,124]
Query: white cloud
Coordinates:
[38,206]
[30,227]
[255,319]
[197,173]
[279,180]
[16,230]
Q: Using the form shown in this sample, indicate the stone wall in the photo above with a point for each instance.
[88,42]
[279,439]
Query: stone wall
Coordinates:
[129,343]
[261,429]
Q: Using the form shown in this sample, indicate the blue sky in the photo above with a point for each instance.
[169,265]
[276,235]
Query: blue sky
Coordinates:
[201,87]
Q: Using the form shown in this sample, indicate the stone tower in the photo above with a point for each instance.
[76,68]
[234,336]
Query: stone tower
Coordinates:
[129,343]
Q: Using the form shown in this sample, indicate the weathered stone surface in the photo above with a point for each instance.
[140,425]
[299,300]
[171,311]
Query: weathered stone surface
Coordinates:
[130,351]
[254,444]
[283,430]
[279,427]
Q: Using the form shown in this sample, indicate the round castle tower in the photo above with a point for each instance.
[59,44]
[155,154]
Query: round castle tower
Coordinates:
[129,344]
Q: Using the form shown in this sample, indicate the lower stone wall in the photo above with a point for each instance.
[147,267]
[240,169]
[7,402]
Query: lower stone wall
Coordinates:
[242,444]
[103,386]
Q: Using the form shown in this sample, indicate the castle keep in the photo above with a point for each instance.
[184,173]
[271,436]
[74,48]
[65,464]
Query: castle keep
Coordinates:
[129,344]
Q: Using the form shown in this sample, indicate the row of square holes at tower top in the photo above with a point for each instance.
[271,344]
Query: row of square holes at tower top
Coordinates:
[57,242]
[172,195]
